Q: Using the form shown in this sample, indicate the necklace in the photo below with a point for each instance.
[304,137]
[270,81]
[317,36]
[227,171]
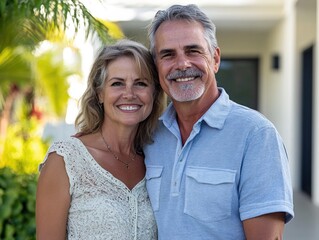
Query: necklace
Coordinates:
[115,156]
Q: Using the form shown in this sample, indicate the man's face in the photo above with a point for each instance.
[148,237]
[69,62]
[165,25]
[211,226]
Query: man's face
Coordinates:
[186,66]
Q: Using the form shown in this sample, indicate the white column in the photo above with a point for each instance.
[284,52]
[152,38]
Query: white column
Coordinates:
[315,164]
[289,99]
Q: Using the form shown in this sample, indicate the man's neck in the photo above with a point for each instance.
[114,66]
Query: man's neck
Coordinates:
[188,113]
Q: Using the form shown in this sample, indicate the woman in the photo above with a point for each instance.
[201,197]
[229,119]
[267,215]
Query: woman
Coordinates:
[92,186]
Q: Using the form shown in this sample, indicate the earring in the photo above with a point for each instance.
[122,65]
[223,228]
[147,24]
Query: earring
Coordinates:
[100,105]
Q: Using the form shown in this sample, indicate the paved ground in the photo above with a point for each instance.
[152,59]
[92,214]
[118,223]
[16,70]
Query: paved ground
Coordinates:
[305,225]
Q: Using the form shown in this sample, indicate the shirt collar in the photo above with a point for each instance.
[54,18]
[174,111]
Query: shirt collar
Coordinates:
[215,116]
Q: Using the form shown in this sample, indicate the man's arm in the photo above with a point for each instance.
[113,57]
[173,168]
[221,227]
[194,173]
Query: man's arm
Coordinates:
[265,227]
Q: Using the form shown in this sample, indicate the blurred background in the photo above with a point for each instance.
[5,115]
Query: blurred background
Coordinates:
[270,62]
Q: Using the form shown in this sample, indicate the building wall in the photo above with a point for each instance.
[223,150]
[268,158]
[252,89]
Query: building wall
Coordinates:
[276,87]
[305,37]
[279,90]
[316,113]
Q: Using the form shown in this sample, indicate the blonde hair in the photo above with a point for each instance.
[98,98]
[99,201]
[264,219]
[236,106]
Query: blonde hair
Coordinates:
[91,115]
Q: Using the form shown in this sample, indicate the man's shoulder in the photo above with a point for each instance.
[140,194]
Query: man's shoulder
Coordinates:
[248,116]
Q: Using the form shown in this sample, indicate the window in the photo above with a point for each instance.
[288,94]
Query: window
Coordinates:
[239,77]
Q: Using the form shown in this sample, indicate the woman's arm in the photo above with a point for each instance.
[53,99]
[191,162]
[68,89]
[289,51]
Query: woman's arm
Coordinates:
[52,200]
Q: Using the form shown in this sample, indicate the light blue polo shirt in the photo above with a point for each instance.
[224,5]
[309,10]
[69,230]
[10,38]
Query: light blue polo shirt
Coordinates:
[232,167]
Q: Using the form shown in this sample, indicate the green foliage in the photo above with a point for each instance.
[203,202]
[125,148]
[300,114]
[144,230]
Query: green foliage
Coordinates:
[51,67]
[11,60]
[23,150]
[14,68]
[47,72]
[24,25]
[23,147]
[17,205]
[26,22]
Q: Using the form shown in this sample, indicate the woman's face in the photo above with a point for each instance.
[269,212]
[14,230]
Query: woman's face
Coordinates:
[127,96]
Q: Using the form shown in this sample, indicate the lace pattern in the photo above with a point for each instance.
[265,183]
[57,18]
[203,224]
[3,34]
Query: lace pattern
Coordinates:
[102,207]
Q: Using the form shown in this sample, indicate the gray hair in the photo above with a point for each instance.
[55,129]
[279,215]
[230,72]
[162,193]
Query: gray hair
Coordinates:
[189,13]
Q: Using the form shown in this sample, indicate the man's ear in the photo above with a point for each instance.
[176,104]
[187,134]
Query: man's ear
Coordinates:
[216,60]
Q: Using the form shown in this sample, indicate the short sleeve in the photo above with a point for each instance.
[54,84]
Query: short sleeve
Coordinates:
[69,151]
[265,183]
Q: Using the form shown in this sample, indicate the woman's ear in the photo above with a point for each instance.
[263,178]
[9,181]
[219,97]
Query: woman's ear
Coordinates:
[100,97]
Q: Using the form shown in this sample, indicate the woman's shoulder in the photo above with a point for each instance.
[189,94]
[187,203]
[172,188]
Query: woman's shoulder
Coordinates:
[65,145]
[64,149]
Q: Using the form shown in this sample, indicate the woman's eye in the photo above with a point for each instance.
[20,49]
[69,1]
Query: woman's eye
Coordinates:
[115,84]
[141,84]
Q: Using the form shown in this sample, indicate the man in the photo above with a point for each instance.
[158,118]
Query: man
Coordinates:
[216,169]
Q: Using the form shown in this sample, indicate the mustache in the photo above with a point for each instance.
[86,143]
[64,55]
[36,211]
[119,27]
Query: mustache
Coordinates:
[189,72]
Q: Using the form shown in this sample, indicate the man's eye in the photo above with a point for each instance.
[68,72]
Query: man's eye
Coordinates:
[194,51]
[166,55]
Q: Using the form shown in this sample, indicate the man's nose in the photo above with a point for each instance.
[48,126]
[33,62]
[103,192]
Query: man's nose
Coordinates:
[182,62]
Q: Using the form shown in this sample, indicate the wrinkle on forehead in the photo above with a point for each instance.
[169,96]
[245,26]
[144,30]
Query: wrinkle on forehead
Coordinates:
[179,32]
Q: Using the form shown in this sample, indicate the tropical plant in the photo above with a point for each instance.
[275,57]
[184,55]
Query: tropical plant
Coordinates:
[29,74]
[26,23]
[24,26]
[24,147]
[17,205]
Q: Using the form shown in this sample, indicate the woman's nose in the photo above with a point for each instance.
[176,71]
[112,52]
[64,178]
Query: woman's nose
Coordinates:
[129,93]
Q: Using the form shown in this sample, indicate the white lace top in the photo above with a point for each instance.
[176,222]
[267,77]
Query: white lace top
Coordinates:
[102,207]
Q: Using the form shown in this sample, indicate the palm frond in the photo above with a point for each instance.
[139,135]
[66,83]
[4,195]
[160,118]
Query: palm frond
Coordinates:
[14,67]
[51,79]
[22,22]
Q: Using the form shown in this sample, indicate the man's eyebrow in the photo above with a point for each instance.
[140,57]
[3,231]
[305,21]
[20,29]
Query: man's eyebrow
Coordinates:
[186,48]
[164,51]
[191,46]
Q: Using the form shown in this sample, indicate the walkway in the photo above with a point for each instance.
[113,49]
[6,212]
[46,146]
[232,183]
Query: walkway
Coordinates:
[305,225]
